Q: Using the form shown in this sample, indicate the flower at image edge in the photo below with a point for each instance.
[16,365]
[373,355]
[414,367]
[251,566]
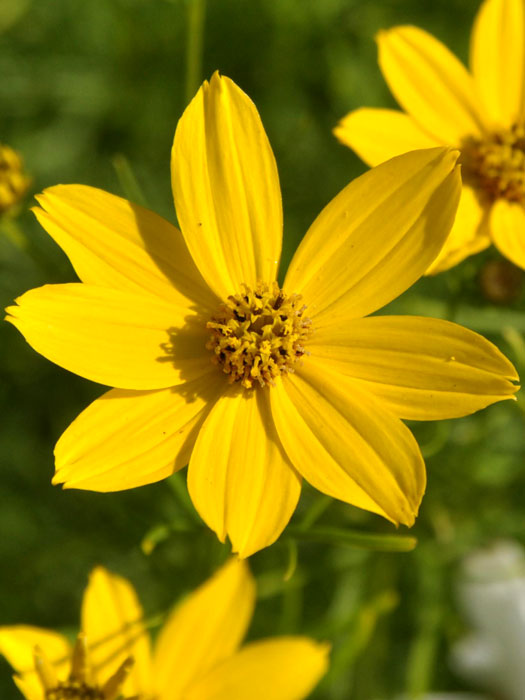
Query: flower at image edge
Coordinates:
[197,654]
[14,183]
[482,113]
[215,365]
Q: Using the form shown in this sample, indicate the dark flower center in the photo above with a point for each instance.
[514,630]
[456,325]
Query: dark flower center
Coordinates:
[258,335]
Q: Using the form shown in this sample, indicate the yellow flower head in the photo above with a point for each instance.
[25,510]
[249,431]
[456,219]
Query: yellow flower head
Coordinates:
[14,182]
[197,654]
[253,384]
[482,113]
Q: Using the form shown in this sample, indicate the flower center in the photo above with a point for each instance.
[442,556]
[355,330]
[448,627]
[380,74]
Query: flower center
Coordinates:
[259,334]
[496,164]
[79,685]
[74,690]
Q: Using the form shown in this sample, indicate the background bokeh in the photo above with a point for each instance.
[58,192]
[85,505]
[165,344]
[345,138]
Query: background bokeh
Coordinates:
[90,89]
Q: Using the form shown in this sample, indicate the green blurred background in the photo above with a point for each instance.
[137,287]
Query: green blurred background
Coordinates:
[88,88]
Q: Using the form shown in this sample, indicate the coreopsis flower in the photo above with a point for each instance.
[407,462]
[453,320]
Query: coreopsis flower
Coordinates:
[14,182]
[197,654]
[482,113]
[254,384]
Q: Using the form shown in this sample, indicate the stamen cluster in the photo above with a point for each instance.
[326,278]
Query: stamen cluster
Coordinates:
[79,685]
[258,335]
[496,164]
[74,690]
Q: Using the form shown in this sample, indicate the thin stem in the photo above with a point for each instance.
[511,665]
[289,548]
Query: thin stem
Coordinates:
[354,538]
[315,511]
[13,233]
[127,180]
[179,489]
[196,15]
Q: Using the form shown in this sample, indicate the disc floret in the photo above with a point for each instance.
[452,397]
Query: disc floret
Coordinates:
[79,684]
[495,165]
[259,335]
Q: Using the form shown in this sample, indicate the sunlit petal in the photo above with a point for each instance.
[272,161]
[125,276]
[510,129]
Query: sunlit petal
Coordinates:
[239,477]
[113,622]
[126,439]
[430,83]
[203,630]
[377,135]
[420,368]
[507,227]
[284,668]
[17,644]
[469,234]
[497,58]
[226,188]
[377,236]
[347,444]
[121,339]
[114,243]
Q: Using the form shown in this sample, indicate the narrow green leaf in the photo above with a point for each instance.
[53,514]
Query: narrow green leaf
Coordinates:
[355,538]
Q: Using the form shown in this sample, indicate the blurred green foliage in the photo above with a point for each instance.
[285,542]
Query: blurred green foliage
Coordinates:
[89,85]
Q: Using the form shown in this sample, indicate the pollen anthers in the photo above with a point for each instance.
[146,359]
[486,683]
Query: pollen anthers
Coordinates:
[79,684]
[496,164]
[258,335]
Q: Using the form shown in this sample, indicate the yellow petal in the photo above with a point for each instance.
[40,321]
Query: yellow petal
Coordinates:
[226,188]
[469,234]
[347,444]
[114,243]
[497,59]
[378,236]
[129,438]
[17,644]
[507,226]
[121,339]
[30,688]
[430,83]
[204,629]
[377,135]
[420,368]
[239,478]
[112,620]
[283,668]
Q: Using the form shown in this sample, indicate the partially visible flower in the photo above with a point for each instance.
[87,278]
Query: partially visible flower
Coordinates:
[482,114]
[213,364]
[197,655]
[14,183]
[491,596]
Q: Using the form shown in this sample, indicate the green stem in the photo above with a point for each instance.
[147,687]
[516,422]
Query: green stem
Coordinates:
[196,14]
[14,233]
[128,182]
[517,342]
[315,511]
[178,486]
[354,538]
[10,228]
[422,655]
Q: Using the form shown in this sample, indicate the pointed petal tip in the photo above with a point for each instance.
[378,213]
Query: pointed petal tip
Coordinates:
[57,478]
[60,481]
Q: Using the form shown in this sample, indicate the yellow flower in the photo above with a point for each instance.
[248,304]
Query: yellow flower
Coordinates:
[14,182]
[196,655]
[482,114]
[254,385]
